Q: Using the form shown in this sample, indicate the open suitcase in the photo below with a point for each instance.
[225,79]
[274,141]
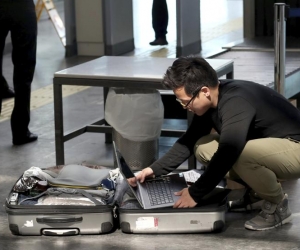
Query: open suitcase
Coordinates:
[208,217]
[58,219]
[195,220]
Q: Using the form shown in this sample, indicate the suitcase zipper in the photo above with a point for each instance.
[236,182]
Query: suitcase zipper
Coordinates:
[114,212]
[75,187]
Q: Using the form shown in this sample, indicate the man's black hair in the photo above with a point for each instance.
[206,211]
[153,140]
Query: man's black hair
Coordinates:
[190,72]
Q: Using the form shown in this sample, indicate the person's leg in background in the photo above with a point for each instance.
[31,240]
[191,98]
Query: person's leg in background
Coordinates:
[260,165]
[160,19]
[4,28]
[6,91]
[24,37]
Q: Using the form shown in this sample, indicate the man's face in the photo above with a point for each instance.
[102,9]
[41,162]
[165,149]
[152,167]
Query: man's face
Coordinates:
[199,104]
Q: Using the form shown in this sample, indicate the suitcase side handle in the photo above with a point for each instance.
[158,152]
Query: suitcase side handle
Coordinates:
[58,219]
[60,232]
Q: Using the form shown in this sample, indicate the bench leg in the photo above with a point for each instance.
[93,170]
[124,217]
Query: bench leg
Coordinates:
[108,136]
[59,125]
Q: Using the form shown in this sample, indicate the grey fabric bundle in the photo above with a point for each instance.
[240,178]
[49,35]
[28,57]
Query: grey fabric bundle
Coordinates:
[78,175]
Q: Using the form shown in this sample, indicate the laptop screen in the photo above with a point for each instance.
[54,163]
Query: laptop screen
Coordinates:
[121,164]
[126,172]
[124,168]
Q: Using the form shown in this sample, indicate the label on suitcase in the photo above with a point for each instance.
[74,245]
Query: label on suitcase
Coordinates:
[87,214]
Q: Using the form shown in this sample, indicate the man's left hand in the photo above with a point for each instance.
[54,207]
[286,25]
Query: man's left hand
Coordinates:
[185,200]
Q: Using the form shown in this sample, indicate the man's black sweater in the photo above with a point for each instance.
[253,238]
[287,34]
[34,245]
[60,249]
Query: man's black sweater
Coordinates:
[245,111]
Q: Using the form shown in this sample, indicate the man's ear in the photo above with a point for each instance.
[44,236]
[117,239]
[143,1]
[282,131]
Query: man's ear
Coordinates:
[205,91]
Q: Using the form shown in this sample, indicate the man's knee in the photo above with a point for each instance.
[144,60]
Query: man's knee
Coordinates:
[205,148]
[248,159]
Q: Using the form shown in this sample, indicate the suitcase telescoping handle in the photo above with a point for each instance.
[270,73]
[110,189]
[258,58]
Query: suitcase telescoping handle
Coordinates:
[58,219]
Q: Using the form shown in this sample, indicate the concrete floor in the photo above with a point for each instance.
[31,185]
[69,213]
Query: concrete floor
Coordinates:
[86,106]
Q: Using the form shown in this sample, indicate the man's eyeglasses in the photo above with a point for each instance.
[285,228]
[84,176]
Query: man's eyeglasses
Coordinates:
[189,102]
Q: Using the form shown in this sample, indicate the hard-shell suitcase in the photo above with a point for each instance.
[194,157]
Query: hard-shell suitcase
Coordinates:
[193,220]
[208,217]
[58,219]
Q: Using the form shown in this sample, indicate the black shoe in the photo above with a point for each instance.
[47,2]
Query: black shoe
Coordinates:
[159,41]
[8,93]
[249,202]
[30,137]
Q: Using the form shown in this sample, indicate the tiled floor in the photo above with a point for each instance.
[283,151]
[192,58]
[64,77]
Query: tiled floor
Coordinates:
[220,26]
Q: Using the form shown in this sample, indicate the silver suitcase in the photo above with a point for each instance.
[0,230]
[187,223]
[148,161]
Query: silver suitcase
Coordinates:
[58,219]
[209,217]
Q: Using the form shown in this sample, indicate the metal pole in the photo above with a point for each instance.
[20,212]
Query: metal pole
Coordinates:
[279,37]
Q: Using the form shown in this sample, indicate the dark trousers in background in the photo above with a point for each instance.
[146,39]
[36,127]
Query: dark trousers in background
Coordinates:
[160,18]
[19,17]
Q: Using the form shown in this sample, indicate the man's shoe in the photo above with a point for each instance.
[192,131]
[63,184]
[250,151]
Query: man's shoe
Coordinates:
[250,201]
[242,206]
[30,137]
[8,93]
[159,41]
[271,216]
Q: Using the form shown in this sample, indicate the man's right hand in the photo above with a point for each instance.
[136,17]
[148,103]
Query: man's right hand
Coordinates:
[141,176]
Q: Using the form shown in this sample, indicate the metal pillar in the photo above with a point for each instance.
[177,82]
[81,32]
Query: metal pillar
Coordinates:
[188,27]
[279,43]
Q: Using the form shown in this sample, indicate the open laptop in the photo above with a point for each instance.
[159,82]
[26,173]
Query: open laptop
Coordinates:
[153,193]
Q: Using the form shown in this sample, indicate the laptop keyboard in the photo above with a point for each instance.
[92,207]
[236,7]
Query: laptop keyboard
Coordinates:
[159,191]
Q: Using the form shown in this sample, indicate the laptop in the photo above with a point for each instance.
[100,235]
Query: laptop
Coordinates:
[153,193]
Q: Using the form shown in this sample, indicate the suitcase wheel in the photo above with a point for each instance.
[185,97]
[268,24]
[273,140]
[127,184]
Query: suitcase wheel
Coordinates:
[125,226]
[218,225]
